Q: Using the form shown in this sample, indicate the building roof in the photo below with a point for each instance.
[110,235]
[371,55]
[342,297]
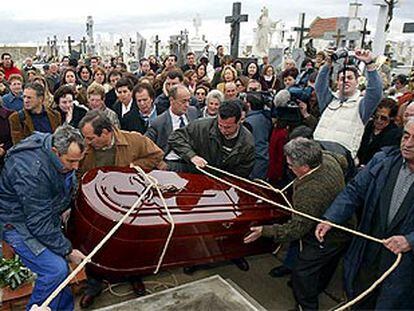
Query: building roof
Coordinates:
[322,25]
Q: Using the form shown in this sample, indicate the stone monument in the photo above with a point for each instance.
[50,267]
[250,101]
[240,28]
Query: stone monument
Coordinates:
[197,44]
[264,33]
[90,47]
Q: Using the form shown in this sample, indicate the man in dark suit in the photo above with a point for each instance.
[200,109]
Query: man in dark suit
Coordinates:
[383,193]
[126,107]
[110,97]
[177,116]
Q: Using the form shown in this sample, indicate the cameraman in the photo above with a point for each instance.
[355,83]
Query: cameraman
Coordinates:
[345,112]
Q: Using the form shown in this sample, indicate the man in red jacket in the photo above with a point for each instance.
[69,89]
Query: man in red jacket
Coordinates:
[8,65]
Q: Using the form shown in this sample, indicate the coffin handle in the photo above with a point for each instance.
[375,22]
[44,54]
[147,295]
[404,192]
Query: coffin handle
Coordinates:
[227,225]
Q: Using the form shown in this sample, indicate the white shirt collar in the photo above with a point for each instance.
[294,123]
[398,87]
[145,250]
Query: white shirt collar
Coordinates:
[126,109]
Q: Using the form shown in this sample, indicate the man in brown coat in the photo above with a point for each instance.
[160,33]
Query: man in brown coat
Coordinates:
[34,116]
[108,146]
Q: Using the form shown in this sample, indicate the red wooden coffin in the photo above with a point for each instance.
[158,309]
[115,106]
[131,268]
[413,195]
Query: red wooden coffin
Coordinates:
[210,219]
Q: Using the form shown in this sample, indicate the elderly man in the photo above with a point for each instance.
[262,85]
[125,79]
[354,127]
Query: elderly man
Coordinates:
[221,141]
[319,180]
[108,146]
[345,113]
[383,192]
[177,116]
[34,116]
[36,185]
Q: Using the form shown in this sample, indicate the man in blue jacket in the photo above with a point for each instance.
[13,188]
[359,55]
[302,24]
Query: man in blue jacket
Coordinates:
[384,190]
[37,184]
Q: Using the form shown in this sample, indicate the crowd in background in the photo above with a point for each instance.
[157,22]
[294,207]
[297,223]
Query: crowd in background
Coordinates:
[352,114]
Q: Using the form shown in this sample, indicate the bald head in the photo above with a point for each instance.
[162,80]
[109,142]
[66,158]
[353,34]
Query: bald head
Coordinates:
[179,99]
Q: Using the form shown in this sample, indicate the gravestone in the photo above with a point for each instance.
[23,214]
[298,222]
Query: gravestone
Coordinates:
[276,57]
[141,44]
[213,293]
[298,55]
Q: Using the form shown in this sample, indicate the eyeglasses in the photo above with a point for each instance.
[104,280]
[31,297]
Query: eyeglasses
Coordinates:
[381,117]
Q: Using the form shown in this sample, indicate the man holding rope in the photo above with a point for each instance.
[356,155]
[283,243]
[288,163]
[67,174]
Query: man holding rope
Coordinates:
[36,186]
[319,180]
[108,146]
[384,190]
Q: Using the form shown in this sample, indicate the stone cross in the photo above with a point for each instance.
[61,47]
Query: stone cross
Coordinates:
[355,5]
[234,20]
[132,46]
[53,48]
[49,46]
[301,29]
[69,42]
[290,40]
[157,43]
[120,45]
[338,37]
[83,45]
[364,32]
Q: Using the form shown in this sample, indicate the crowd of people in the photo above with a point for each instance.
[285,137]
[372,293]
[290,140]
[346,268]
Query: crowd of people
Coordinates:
[344,137]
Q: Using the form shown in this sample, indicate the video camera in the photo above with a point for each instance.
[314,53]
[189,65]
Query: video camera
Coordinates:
[258,98]
[342,53]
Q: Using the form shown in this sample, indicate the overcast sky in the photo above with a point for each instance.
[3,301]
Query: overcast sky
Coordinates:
[23,21]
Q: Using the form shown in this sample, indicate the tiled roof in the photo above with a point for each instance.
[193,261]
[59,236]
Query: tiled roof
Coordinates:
[322,25]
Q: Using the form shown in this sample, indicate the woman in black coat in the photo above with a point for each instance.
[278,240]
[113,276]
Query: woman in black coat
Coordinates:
[379,132]
[65,104]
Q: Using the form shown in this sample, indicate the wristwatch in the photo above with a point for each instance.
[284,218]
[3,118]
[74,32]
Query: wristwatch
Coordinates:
[370,62]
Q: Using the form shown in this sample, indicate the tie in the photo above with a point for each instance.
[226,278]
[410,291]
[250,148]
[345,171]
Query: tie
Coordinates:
[182,123]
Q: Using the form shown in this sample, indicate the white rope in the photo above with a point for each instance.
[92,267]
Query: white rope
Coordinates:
[368,237]
[94,251]
[155,184]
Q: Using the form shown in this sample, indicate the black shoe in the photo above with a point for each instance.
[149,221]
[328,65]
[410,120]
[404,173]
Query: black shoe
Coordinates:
[241,263]
[190,270]
[138,288]
[279,272]
[87,300]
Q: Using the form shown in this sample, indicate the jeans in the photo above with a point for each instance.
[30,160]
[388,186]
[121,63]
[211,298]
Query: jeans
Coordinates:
[51,270]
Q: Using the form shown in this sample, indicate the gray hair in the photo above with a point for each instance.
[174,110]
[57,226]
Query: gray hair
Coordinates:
[38,88]
[64,136]
[409,121]
[303,151]
[215,94]
[174,90]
